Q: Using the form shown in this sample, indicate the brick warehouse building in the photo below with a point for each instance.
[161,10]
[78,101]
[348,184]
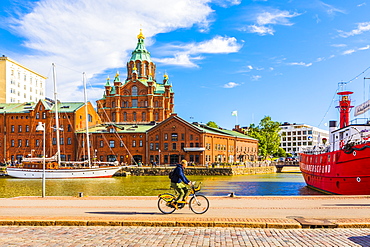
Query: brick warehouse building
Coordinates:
[134,122]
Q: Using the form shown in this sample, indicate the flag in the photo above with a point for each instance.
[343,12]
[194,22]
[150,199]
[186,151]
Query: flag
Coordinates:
[234,113]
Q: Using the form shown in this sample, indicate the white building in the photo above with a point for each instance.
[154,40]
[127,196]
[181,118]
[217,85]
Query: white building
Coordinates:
[19,84]
[296,138]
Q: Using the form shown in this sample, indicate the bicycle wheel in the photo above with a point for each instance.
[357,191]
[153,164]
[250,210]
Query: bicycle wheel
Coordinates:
[199,204]
[165,207]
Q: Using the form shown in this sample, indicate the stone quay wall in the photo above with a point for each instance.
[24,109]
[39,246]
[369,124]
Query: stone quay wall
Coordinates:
[194,171]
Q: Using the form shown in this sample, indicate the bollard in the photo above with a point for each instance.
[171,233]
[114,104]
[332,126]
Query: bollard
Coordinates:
[80,194]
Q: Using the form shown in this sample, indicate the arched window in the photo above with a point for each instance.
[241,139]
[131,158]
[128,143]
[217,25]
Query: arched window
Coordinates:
[134,91]
[143,117]
[37,115]
[134,116]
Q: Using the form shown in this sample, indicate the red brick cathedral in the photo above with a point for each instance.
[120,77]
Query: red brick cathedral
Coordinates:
[140,98]
[134,123]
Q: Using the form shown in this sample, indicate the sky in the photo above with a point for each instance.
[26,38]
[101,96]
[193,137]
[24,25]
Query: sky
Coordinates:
[284,58]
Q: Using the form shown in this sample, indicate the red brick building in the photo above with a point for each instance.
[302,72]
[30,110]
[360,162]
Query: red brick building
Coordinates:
[134,123]
[18,136]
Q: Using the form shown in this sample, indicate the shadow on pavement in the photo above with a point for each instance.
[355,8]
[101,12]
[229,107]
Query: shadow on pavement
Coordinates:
[348,205]
[363,241]
[125,213]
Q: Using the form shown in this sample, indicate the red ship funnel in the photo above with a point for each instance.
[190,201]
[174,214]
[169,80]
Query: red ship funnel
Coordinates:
[344,108]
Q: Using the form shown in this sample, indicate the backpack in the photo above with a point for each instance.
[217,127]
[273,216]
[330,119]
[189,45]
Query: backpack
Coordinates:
[171,174]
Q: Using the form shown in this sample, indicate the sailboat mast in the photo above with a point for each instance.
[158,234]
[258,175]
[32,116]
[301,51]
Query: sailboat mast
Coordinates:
[87,121]
[56,113]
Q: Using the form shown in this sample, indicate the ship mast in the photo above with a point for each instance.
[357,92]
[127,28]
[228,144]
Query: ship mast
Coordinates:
[87,121]
[56,114]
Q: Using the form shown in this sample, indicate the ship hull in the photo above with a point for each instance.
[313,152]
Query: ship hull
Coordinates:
[343,172]
[27,173]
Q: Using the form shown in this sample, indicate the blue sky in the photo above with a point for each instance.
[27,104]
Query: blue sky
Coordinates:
[282,59]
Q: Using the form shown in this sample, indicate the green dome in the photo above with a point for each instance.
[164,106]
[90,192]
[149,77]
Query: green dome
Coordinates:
[140,53]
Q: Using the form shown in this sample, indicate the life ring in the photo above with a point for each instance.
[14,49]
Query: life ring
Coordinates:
[341,144]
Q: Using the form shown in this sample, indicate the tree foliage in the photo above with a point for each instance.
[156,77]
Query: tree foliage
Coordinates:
[212,124]
[267,134]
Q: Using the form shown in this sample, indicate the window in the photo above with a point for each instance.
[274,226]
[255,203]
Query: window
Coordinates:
[90,118]
[12,129]
[143,117]
[111,144]
[174,137]
[37,115]
[165,146]
[113,116]
[182,136]
[27,128]
[125,116]
[166,136]
[157,146]
[69,141]
[134,91]
[12,143]
[69,128]
[156,116]
[191,137]
[113,104]
[134,116]
[173,146]
[61,141]
[134,143]
[156,137]
[101,143]
[44,115]
[151,146]
[27,143]
[140,143]
[54,141]
[37,143]
[19,128]
[134,103]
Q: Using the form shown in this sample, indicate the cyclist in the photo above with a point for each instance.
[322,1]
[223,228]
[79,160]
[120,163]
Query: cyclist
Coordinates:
[179,181]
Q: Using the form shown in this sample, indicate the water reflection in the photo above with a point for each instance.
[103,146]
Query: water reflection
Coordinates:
[279,184]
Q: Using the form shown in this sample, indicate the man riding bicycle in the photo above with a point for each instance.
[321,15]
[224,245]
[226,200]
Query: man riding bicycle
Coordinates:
[179,181]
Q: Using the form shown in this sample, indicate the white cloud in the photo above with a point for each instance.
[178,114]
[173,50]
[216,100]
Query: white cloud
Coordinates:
[265,19]
[361,27]
[186,52]
[231,85]
[330,9]
[364,48]
[256,77]
[301,64]
[348,52]
[250,67]
[339,45]
[93,36]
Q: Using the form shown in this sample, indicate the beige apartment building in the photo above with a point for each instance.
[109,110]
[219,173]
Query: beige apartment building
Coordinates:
[19,84]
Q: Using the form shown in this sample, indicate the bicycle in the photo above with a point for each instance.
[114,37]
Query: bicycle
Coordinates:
[199,204]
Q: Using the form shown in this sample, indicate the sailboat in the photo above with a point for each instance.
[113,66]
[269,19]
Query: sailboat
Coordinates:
[53,167]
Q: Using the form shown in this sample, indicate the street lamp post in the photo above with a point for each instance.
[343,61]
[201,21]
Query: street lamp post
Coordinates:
[41,127]
[159,157]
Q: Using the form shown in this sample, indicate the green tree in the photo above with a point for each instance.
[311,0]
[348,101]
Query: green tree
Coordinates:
[212,124]
[267,134]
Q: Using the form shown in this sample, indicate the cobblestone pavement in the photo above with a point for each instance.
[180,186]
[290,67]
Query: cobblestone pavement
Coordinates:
[180,236]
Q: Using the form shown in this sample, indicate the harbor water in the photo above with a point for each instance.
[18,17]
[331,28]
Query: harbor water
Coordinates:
[274,184]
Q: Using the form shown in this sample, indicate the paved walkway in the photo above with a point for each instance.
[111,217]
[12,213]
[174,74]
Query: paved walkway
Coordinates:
[246,212]
[180,236]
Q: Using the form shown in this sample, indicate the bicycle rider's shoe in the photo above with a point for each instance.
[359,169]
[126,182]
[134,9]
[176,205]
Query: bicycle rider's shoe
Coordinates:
[174,204]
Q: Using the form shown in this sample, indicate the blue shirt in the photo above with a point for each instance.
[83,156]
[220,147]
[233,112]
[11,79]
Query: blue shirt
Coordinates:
[178,175]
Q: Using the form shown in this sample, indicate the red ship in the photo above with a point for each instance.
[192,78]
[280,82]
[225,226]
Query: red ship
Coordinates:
[343,167]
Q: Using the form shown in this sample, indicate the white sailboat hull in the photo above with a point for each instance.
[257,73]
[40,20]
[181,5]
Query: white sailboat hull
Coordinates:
[101,172]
